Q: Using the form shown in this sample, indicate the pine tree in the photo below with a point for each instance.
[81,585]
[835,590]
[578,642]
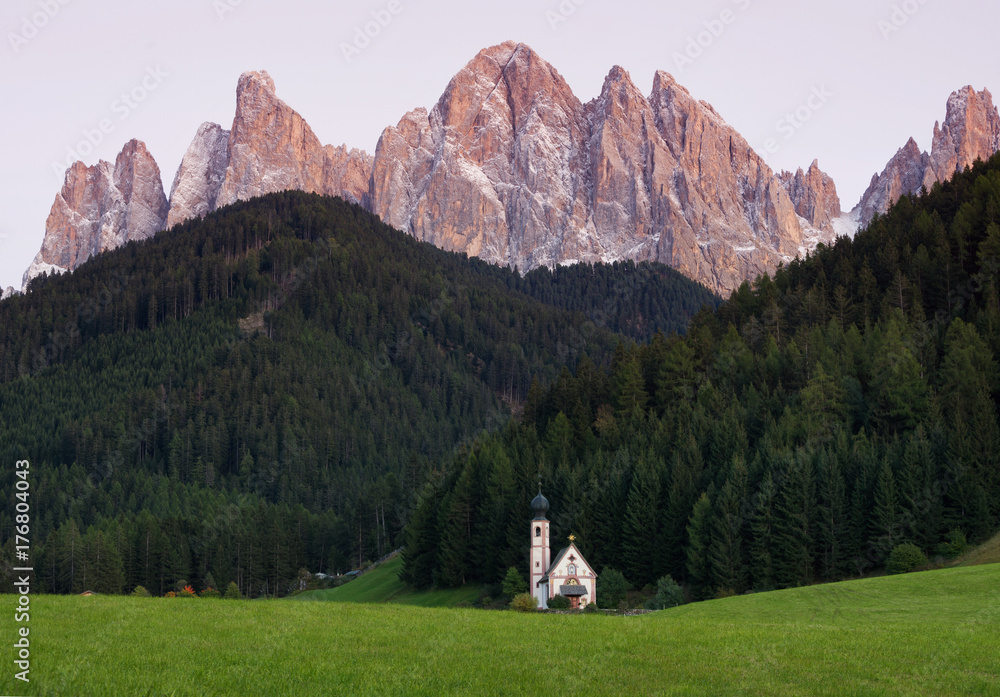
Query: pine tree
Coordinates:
[762,528]
[727,551]
[792,525]
[886,528]
[699,563]
[831,517]
[641,526]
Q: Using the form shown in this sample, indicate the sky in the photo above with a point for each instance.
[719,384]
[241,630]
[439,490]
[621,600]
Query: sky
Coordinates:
[82,77]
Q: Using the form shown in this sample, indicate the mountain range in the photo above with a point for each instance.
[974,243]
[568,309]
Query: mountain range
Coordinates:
[510,166]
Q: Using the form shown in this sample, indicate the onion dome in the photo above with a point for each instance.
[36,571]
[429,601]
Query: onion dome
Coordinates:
[540,506]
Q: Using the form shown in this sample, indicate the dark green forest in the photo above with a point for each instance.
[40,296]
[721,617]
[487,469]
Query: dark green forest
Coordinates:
[268,389]
[798,433]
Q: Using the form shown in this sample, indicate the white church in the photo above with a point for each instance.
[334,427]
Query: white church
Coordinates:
[568,575]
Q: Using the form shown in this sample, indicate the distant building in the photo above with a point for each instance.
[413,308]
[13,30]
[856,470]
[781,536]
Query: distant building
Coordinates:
[568,574]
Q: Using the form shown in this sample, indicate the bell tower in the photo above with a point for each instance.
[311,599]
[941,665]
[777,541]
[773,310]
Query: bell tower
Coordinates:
[541,555]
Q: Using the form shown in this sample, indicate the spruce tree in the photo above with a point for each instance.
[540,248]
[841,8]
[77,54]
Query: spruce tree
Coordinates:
[639,533]
[794,511]
[727,550]
[762,529]
[699,562]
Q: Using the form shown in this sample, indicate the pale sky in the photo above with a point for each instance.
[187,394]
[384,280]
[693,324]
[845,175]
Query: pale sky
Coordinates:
[885,68]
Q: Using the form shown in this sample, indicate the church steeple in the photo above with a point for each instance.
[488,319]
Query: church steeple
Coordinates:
[541,555]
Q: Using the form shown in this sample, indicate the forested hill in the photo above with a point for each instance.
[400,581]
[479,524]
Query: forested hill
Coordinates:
[801,432]
[265,389]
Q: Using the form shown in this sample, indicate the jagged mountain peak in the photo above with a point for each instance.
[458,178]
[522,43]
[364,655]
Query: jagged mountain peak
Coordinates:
[101,207]
[814,194]
[970,132]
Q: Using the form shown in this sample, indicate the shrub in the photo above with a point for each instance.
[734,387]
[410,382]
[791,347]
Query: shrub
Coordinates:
[524,602]
[591,608]
[187,592]
[170,594]
[668,594]
[141,592]
[955,546]
[612,588]
[210,593]
[233,592]
[905,558]
[559,602]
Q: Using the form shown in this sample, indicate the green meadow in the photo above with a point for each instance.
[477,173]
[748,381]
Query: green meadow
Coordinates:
[382,585]
[931,633]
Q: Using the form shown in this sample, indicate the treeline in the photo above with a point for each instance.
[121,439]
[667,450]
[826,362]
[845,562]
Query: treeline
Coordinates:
[634,300]
[187,535]
[813,423]
[290,351]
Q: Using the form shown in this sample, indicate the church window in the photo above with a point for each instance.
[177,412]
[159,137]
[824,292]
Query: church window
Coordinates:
[538,531]
[571,569]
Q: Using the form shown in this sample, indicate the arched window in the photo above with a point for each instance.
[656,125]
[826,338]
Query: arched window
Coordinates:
[538,531]
[571,570]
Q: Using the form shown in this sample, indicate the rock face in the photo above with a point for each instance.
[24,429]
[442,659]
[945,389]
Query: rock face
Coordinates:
[7,292]
[814,195]
[271,148]
[200,176]
[100,208]
[510,166]
[971,131]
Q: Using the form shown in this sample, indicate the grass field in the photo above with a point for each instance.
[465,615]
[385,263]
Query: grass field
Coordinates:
[382,585]
[932,633]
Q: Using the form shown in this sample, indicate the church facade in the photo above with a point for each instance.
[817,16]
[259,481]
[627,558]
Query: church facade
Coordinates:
[567,574]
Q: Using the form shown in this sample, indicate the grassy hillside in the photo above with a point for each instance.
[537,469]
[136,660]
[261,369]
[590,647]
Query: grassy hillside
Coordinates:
[934,633]
[986,553]
[382,585]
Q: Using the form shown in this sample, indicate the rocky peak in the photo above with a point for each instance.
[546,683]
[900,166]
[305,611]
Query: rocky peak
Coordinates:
[904,174]
[814,195]
[199,179]
[512,167]
[738,219]
[490,170]
[100,208]
[7,292]
[271,148]
[971,131]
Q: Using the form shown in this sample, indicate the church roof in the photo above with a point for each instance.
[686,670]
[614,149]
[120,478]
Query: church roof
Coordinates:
[558,558]
[571,590]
